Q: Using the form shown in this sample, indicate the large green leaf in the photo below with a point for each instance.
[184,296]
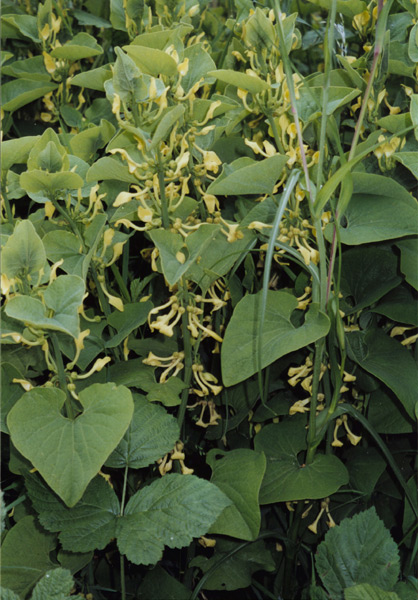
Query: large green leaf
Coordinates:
[151,434]
[386,415]
[239,356]
[287,478]
[93,79]
[309,102]
[368,273]
[408,160]
[157,583]
[248,176]
[391,211]
[109,168]
[349,8]
[365,591]
[232,572]
[89,525]
[359,550]
[56,584]
[134,314]
[389,361]
[29,68]
[10,392]
[409,260]
[19,92]
[61,244]
[240,80]
[69,453]
[85,144]
[170,511]
[238,474]
[62,297]
[40,181]
[399,305]
[365,466]
[17,151]
[152,61]
[25,555]
[173,247]
[82,45]
[200,63]
[23,253]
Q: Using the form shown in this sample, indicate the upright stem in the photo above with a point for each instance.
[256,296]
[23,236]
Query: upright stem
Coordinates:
[7,206]
[188,358]
[164,206]
[61,376]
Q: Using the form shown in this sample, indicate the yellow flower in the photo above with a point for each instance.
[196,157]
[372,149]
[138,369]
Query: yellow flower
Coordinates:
[98,366]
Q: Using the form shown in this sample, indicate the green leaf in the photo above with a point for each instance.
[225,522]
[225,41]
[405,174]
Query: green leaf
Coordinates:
[286,478]
[359,550]
[151,434]
[170,511]
[349,8]
[385,414]
[309,102]
[409,260]
[399,306]
[368,273]
[247,176]
[239,354]
[365,466]
[85,144]
[125,322]
[240,80]
[168,392]
[365,591]
[170,117]
[24,25]
[49,158]
[19,92]
[157,583]
[10,392]
[6,594]
[17,151]
[389,361]
[93,79]
[82,45]
[238,474]
[86,18]
[65,245]
[234,571]
[200,63]
[25,555]
[89,525]
[63,297]
[408,160]
[109,168]
[56,584]
[23,254]
[69,453]
[391,211]
[40,181]
[172,246]
[152,61]
[29,68]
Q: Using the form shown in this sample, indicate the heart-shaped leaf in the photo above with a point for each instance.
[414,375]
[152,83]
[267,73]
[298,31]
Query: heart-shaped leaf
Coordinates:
[286,479]
[69,453]
[240,347]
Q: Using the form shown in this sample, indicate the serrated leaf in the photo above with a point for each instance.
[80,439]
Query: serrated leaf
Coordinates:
[56,584]
[170,511]
[89,525]
[359,550]
[239,354]
[238,474]
[151,434]
[365,591]
[69,453]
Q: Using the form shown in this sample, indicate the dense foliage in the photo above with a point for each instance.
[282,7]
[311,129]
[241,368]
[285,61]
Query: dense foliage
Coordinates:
[209,273]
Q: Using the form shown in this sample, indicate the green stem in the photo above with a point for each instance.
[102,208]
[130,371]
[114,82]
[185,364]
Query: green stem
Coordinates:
[9,213]
[328,47]
[291,554]
[276,135]
[319,350]
[61,375]
[119,279]
[164,206]
[188,358]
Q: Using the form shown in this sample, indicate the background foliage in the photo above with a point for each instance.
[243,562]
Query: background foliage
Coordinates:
[209,273]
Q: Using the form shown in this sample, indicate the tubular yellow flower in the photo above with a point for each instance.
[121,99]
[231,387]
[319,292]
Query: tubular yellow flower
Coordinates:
[26,385]
[353,439]
[98,366]
[314,526]
[299,406]
[113,300]
[336,442]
